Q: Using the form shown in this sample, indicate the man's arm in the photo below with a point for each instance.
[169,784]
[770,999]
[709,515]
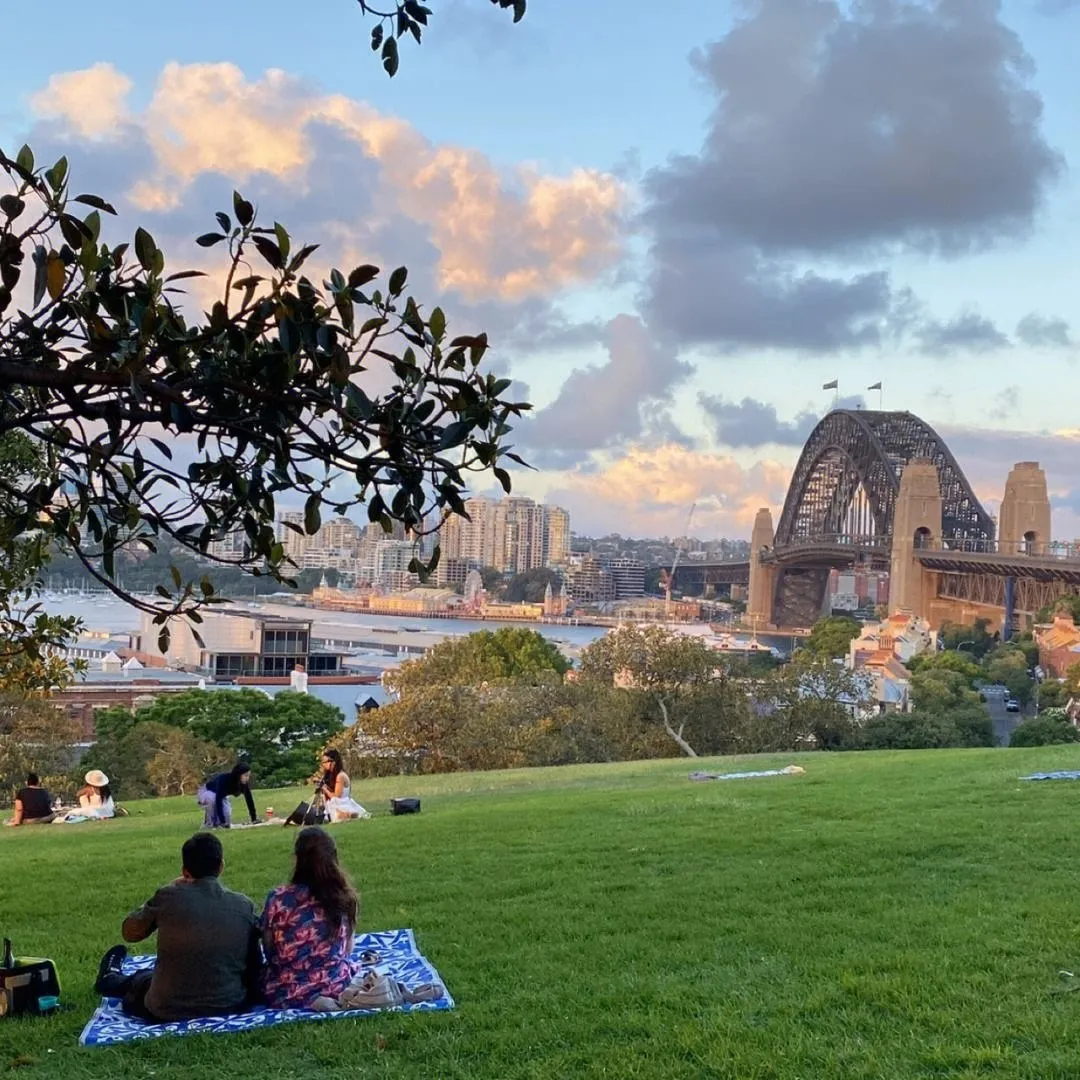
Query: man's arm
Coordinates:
[18,815]
[250,803]
[142,922]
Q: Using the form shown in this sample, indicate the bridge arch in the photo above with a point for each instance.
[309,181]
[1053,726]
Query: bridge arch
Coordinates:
[848,476]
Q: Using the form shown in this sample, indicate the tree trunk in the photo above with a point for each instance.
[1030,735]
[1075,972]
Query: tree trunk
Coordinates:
[686,748]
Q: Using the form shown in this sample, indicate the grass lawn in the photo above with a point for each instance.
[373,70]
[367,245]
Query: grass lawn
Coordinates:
[886,915]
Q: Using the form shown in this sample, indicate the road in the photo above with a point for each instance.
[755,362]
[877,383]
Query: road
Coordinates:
[1004,722]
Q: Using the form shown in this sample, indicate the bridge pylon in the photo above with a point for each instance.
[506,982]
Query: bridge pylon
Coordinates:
[917,522]
[1024,522]
[759,606]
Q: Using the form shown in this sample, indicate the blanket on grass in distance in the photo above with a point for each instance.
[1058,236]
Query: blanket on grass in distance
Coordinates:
[399,958]
[1063,774]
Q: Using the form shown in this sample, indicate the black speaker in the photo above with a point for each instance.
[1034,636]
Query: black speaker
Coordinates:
[404,806]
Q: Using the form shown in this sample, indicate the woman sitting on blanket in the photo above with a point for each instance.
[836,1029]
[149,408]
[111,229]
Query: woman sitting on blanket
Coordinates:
[336,789]
[95,801]
[307,935]
[307,929]
[214,795]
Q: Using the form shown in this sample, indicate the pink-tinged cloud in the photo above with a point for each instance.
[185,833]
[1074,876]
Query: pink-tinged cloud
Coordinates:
[649,491]
[93,102]
[500,234]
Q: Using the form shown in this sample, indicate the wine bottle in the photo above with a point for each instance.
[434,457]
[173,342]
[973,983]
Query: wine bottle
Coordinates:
[9,958]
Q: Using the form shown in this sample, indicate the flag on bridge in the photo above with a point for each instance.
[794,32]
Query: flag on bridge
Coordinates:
[831,385]
[876,386]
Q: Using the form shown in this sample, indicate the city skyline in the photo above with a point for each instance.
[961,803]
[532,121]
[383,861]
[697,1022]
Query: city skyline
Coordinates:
[670,291]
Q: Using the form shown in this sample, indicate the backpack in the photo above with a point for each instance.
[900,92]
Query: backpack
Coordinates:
[28,986]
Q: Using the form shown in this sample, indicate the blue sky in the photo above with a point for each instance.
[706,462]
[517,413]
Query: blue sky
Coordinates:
[675,225]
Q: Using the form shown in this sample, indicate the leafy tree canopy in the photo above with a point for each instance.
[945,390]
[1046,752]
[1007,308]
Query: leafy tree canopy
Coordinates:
[280,736]
[830,637]
[511,652]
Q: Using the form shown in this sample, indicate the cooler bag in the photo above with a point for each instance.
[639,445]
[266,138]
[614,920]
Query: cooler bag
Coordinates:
[28,986]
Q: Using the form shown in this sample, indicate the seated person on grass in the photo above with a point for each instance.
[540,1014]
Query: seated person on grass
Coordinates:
[207,947]
[32,804]
[307,936]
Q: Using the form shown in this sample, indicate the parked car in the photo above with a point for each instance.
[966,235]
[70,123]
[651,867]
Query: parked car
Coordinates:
[1012,705]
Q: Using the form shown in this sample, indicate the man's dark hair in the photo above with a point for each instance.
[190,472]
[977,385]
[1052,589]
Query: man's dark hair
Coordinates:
[32,779]
[202,855]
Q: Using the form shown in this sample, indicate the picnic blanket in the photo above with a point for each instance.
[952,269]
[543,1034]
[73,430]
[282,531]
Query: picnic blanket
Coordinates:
[398,958]
[1064,774]
[791,770]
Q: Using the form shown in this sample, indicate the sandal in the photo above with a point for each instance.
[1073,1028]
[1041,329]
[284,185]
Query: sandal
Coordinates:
[425,992]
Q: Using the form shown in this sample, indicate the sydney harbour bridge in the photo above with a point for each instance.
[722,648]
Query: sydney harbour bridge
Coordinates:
[882,491]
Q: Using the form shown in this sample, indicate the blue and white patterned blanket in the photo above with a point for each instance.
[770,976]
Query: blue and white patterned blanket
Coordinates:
[399,958]
[1064,774]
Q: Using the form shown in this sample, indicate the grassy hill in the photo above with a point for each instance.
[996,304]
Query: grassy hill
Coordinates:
[885,915]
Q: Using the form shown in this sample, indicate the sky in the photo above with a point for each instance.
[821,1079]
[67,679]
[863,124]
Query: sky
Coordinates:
[675,223]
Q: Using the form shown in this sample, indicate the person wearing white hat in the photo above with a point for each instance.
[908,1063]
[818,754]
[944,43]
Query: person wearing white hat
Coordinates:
[95,800]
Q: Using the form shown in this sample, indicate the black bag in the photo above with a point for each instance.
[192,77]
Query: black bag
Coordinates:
[308,813]
[28,987]
[404,806]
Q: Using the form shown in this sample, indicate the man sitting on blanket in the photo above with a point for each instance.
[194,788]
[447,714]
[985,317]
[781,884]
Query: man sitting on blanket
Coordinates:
[207,954]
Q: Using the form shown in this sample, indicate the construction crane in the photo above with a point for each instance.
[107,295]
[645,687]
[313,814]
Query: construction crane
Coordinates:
[675,562]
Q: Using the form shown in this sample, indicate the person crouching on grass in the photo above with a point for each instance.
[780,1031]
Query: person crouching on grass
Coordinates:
[214,795]
[208,954]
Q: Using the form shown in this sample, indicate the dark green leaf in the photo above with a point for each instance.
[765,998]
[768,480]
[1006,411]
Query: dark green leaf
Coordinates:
[224,221]
[182,275]
[25,159]
[268,250]
[376,37]
[437,325]
[11,205]
[244,211]
[209,239]
[312,516]
[96,202]
[390,56]
[289,334]
[519,10]
[144,249]
[362,275]
[397,280]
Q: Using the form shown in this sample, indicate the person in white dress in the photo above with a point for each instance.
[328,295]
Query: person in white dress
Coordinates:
[336,790]
[95,801]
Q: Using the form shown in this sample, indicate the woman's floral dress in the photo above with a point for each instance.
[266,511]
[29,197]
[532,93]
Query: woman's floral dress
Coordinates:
[305,956]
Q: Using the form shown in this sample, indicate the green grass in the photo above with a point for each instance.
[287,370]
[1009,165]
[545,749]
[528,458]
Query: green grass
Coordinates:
[886,915]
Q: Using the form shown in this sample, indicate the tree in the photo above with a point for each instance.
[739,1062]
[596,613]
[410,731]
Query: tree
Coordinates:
[493,580]
[35,736]
[668,667]
[975,639]
[396,18]
[945,660]
[1052,694]
[104,374]
[1064,605]
[509,653]
[280,736]
[1007,666]
[830,637]
[811,701]
[531,586]
[944,701]
[1048,728]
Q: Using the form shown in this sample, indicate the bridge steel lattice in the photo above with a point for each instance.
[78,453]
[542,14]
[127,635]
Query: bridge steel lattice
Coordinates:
[842,497]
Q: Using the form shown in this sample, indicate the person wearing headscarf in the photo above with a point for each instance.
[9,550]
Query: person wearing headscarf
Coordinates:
[214,796]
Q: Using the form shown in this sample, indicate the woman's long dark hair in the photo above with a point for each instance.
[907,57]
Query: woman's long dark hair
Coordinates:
[336,765]
[105,792]
[317,868]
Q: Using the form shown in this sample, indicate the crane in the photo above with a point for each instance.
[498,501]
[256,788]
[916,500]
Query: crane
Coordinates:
[675,561]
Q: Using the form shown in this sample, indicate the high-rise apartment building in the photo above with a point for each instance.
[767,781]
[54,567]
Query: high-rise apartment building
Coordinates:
[513,535]
[295,543]
[231,546]
[556,536]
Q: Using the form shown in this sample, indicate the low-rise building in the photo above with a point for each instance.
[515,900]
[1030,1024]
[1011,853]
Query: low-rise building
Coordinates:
[1059,646]
[237,643]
